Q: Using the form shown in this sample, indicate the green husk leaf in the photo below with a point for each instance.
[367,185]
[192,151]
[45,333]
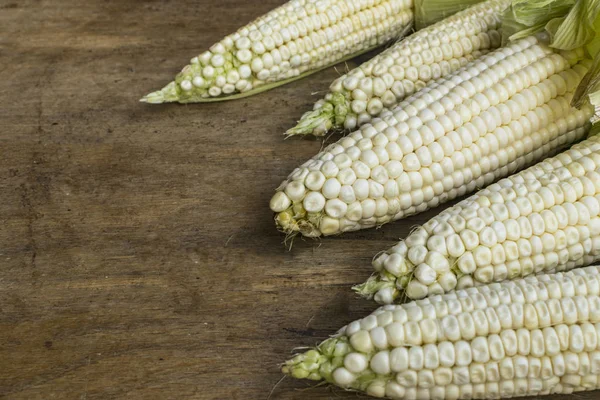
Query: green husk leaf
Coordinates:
[570,23]
[589,88]
[526,17]
[428,12]
[575,29]
[520,34]
[593,47]
[595,129]
[529,12]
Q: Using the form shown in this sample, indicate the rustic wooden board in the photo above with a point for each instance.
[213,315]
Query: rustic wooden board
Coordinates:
[139,256]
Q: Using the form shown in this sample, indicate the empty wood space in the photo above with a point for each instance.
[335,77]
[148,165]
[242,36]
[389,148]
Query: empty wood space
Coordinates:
[139,257]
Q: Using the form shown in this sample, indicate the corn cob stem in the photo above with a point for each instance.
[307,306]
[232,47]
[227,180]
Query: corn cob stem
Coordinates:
[532,336]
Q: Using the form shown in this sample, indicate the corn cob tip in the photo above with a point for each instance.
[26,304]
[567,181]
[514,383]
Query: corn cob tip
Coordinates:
[376,287]
[316,122]
[290,223]
[305,365]
[398,278]
[165,95]
[321,362]
[326,114]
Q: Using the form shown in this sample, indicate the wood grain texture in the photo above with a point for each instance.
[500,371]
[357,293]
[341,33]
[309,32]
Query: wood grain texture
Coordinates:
[139,256]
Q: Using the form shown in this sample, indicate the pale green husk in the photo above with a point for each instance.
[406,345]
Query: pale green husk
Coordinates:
[428,12]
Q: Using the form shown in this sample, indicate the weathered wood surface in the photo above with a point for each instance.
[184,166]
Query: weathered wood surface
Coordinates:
[139,256]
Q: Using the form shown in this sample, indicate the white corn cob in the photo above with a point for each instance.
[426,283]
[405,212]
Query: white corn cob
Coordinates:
[380,83]
[293,40]
[489,119]
[543,219]
[528,337]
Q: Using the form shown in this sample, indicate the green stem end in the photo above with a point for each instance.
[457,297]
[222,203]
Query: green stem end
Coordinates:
[318,364]
[316,122]
[167,94]
[373,285]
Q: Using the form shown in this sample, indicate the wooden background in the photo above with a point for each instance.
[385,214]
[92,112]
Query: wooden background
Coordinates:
[139,257]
